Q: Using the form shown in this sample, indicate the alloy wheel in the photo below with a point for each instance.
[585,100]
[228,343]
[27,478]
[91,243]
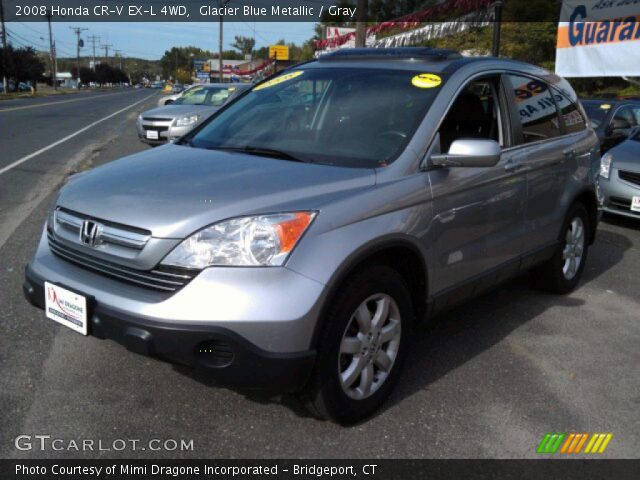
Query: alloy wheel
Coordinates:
[573,249]
[369,346]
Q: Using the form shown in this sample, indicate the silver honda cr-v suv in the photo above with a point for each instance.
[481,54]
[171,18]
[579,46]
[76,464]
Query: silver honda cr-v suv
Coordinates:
[293,240]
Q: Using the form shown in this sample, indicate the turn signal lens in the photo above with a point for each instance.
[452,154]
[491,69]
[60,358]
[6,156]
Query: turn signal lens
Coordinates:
[289,231]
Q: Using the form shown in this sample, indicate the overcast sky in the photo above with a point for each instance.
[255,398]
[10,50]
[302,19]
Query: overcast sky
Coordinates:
[150,40]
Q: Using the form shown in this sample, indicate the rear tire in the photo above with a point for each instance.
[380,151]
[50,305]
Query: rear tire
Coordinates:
[358,365]
[561,274]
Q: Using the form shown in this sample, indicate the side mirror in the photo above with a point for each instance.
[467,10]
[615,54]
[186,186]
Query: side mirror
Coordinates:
[469,152]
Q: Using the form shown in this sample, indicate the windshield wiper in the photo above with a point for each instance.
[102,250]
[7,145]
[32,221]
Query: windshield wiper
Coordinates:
[263,152]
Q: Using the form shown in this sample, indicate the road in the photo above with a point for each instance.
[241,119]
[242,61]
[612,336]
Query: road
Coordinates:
[488,379]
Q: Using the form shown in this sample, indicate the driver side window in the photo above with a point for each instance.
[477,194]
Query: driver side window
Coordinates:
[627,117]
[475,113]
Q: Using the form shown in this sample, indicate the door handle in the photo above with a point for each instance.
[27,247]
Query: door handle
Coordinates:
[512,165]
[569,153]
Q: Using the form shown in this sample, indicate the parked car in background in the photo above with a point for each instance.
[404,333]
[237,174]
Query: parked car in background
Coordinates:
[294,239]
[157,85]
[167,123]
[612,119]
[620,177]
[177,88]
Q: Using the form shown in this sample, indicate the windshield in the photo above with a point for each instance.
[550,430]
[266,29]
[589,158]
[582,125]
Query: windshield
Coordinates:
[351,117]
[597,112]
[212,96]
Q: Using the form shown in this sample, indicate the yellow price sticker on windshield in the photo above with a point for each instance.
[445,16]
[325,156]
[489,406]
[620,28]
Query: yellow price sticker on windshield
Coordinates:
[426,80]
[282,78]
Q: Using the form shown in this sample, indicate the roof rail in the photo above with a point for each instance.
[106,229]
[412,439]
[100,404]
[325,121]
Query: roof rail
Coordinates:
[425,53]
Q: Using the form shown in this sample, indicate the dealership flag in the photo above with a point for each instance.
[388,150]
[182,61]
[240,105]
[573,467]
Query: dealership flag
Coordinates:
[599,38]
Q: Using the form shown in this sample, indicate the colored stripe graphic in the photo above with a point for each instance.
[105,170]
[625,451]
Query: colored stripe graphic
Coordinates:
[551,442]
[598,443]
[572,443]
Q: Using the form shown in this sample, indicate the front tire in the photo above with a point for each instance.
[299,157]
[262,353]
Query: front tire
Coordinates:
[561,274]
[362,346]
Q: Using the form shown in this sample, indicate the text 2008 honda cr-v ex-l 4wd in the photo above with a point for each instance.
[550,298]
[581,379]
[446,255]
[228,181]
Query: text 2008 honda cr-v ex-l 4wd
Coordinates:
[293,240]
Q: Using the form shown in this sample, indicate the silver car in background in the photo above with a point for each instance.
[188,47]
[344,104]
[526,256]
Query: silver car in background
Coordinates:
[165,124]
[620,178]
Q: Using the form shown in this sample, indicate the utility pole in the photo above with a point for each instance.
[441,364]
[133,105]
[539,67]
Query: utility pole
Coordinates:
[93,39]
[118,53]
[52,50]
[5,63]
[497,21]
[361,23]
[79,44]
[106,52]
[221,3]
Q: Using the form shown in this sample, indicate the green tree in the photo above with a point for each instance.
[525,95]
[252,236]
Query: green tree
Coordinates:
[181,58]
[244,44]
[23,65]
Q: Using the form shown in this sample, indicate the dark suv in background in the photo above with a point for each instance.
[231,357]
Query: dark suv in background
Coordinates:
[612,119]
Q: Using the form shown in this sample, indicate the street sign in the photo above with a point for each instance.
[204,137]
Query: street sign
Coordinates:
[279,52]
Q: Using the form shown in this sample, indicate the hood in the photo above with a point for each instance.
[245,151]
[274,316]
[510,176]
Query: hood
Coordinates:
[175,190]
[172,111]
[626,156]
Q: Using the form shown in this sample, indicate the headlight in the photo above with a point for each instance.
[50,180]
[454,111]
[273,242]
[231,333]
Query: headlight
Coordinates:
[186,121]
[605,165]
[264,240]
[139,118]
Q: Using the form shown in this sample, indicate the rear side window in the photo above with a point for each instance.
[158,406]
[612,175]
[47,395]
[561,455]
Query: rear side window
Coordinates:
[572,118]
[537,109]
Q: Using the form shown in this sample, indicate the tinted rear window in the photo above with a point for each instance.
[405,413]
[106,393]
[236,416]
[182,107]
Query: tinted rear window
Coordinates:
[597,112]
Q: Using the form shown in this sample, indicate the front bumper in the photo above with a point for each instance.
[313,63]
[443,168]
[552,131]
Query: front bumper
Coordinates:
[167,132]
[243,327]
[617,195]
[217,352]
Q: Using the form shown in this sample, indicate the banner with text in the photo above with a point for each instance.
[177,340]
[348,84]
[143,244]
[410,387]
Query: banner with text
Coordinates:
[599,38]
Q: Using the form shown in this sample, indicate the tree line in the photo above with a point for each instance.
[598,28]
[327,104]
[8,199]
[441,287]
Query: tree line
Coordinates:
[102,75]
[22,65]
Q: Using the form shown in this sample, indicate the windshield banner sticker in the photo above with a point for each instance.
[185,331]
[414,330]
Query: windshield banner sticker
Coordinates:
[278,80]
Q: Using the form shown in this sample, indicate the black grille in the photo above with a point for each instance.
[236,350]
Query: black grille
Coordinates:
[166,279]
[156,119]
[157,129]
[621,203]
[632,177]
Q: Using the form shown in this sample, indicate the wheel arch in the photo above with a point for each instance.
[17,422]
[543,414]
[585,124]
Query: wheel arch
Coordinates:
[399,253]
[589,199]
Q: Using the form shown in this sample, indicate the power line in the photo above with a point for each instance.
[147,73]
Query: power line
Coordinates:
[32,43]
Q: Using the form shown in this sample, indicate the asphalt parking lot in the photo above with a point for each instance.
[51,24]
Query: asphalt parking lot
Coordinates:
[486,380]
